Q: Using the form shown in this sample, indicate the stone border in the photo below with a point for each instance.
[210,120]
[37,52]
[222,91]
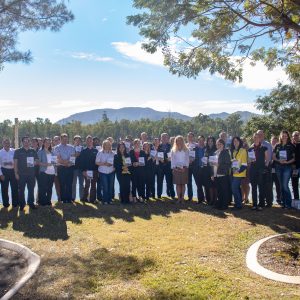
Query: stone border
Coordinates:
[253,265]
[33,261]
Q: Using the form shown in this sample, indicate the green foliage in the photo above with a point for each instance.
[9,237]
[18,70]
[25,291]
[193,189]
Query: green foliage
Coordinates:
[200,125]
[22,15]
[208,33]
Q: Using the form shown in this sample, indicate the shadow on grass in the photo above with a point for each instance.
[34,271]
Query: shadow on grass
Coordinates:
[51,223]
[88,274]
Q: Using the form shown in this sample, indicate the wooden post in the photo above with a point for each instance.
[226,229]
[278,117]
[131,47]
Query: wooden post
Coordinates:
[16,133]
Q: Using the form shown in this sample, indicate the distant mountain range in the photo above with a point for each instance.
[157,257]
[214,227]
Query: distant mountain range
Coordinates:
[137,113]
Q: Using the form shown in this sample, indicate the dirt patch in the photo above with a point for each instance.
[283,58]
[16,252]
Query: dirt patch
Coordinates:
[12,267]
[281,254]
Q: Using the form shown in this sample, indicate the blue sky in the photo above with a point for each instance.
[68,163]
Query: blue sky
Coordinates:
[96,62]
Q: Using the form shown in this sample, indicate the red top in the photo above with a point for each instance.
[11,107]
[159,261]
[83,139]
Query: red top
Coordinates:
[137,155]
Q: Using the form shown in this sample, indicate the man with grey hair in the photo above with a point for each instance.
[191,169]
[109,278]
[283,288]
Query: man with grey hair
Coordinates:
[268,196]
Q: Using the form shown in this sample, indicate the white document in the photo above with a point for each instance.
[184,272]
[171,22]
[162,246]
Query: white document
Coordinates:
[235,164]
[251,156]
[204,160]
[213,160]
[141,161]
[53,159]
[72,160]
[160,155]
[78,148]
[30,162]
[89,174]
[153,153]
[192,154]
[128,161]
[169,155]
[283,155]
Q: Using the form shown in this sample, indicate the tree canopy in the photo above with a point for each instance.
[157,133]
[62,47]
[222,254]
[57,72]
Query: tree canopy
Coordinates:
[218,35]
[22,15]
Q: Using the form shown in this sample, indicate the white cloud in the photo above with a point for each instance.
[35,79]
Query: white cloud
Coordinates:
[260,78]
[135,52]
[91,57]
[104,19]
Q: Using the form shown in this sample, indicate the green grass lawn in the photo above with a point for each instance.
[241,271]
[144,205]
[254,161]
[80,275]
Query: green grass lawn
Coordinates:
[159,250]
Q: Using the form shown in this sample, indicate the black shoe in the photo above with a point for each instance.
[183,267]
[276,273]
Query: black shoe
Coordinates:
[21,207]
[6,205]
[33,206]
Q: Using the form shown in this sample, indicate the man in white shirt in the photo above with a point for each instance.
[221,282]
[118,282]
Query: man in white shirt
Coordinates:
[7,174]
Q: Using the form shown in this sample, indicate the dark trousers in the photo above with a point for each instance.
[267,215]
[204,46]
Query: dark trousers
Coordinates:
[165,172]
[295,185]
[268,187]
[192,173]
[124,181]
[277,186]
[201,182]
[223,191]
[99,188]
[156,175]
[138,182]
[257,182]
[29,181]
[89,188]
[10,178]
[45,185]
[65,176]
[149,181]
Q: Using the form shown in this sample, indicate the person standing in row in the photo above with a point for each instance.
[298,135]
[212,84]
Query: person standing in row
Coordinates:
[239,169]
[296,165]
[66,160]
[179,165]
[157,169]
[199,170]
[191,145]
[47,173]
[7,174]
[258,160]
[105,163]
[274,142]
[284,157]
[77,174]
[165,167]
[220,174]
[245,185]
[149,171]
[138,159]
[88,168]
[268,196]
[55,143]
[25,159]
[123,172]
[210,150]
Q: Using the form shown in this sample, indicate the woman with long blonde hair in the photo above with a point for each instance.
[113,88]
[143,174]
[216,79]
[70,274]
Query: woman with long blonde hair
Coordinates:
[179,165]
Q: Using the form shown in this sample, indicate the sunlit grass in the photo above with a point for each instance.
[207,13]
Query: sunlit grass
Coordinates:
[159,250]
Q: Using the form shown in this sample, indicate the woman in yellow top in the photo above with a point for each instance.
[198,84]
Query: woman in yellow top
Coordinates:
[239,168]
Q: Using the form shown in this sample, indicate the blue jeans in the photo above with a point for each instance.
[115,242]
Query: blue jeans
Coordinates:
[284,174]
[236,191]
[107,184]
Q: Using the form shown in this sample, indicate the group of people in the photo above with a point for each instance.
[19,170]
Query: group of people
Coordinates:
[223,169]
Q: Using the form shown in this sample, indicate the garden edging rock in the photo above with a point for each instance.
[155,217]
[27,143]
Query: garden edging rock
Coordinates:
[253,264]
[33,262]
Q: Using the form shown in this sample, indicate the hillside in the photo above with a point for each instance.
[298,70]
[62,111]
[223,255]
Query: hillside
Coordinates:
[137,113]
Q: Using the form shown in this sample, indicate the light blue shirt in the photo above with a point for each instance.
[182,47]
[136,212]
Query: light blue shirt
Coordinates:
[64,151]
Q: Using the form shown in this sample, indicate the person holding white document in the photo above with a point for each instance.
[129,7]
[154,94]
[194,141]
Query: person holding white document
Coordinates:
[7,174]
[180,166]
[25,158]
[149,170]
[138,159]
[47,173]
[284,157]
[105,163]
[220,169]
[258,162]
